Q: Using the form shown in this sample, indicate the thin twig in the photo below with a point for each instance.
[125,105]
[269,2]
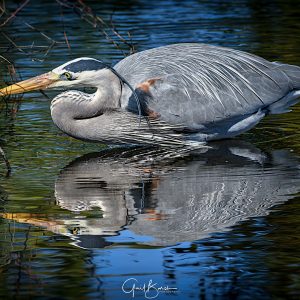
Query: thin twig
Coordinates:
[2,8]
[12,42]
[129,44]
[67,41]
[2,57]
[31,47]
[49,48]
[87,14]
[47,37]
[63,3]
[13,15]
[63,24]
[14,78]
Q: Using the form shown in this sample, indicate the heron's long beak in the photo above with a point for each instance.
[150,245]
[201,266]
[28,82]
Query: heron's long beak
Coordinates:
[32,84]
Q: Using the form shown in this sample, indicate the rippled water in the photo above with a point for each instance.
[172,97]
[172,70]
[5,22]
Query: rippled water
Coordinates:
[78,220]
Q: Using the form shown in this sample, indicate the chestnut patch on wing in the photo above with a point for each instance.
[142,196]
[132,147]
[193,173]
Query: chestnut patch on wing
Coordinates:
[144,87]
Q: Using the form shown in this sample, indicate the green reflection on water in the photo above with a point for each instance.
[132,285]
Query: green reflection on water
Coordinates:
[36,255]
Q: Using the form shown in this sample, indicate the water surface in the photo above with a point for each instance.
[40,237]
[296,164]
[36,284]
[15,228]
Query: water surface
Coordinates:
[78,220]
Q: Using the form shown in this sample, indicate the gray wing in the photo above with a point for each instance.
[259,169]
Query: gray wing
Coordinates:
[196,84]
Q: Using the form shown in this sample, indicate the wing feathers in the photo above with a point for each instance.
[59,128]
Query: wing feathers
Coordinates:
[206,83]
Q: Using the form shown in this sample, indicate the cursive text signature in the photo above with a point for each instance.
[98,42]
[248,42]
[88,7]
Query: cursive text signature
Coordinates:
[150,289]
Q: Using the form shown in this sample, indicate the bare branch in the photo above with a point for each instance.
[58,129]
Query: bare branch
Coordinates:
[2,8]
[3,58]
[13,15]
[12,42]
[63,24]
[49,48]
[40,32]
[108,30]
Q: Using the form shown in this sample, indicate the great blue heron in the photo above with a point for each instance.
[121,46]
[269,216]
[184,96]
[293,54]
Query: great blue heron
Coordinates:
[184,92]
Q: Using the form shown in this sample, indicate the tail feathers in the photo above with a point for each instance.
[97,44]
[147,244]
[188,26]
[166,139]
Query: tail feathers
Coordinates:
[283,104]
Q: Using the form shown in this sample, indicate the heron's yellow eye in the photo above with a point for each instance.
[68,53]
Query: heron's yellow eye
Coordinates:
[67,75]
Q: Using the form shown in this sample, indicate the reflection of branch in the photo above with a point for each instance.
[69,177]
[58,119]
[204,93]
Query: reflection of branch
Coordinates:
[25,268]
[13,15]
[93,273]
[2,153]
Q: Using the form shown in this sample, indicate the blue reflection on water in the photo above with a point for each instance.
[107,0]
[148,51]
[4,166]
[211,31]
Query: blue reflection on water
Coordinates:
[240,247]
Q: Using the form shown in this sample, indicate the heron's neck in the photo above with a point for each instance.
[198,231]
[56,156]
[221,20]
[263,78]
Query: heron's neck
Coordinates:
[70,109]
[108,93]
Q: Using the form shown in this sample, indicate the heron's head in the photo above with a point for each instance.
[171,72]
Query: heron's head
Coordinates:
[80,72]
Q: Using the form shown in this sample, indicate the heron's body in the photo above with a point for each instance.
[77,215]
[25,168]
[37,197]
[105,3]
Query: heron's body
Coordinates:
[214,92]
[188,92]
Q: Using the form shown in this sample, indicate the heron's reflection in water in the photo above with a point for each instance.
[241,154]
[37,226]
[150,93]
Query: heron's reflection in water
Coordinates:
[172,202]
